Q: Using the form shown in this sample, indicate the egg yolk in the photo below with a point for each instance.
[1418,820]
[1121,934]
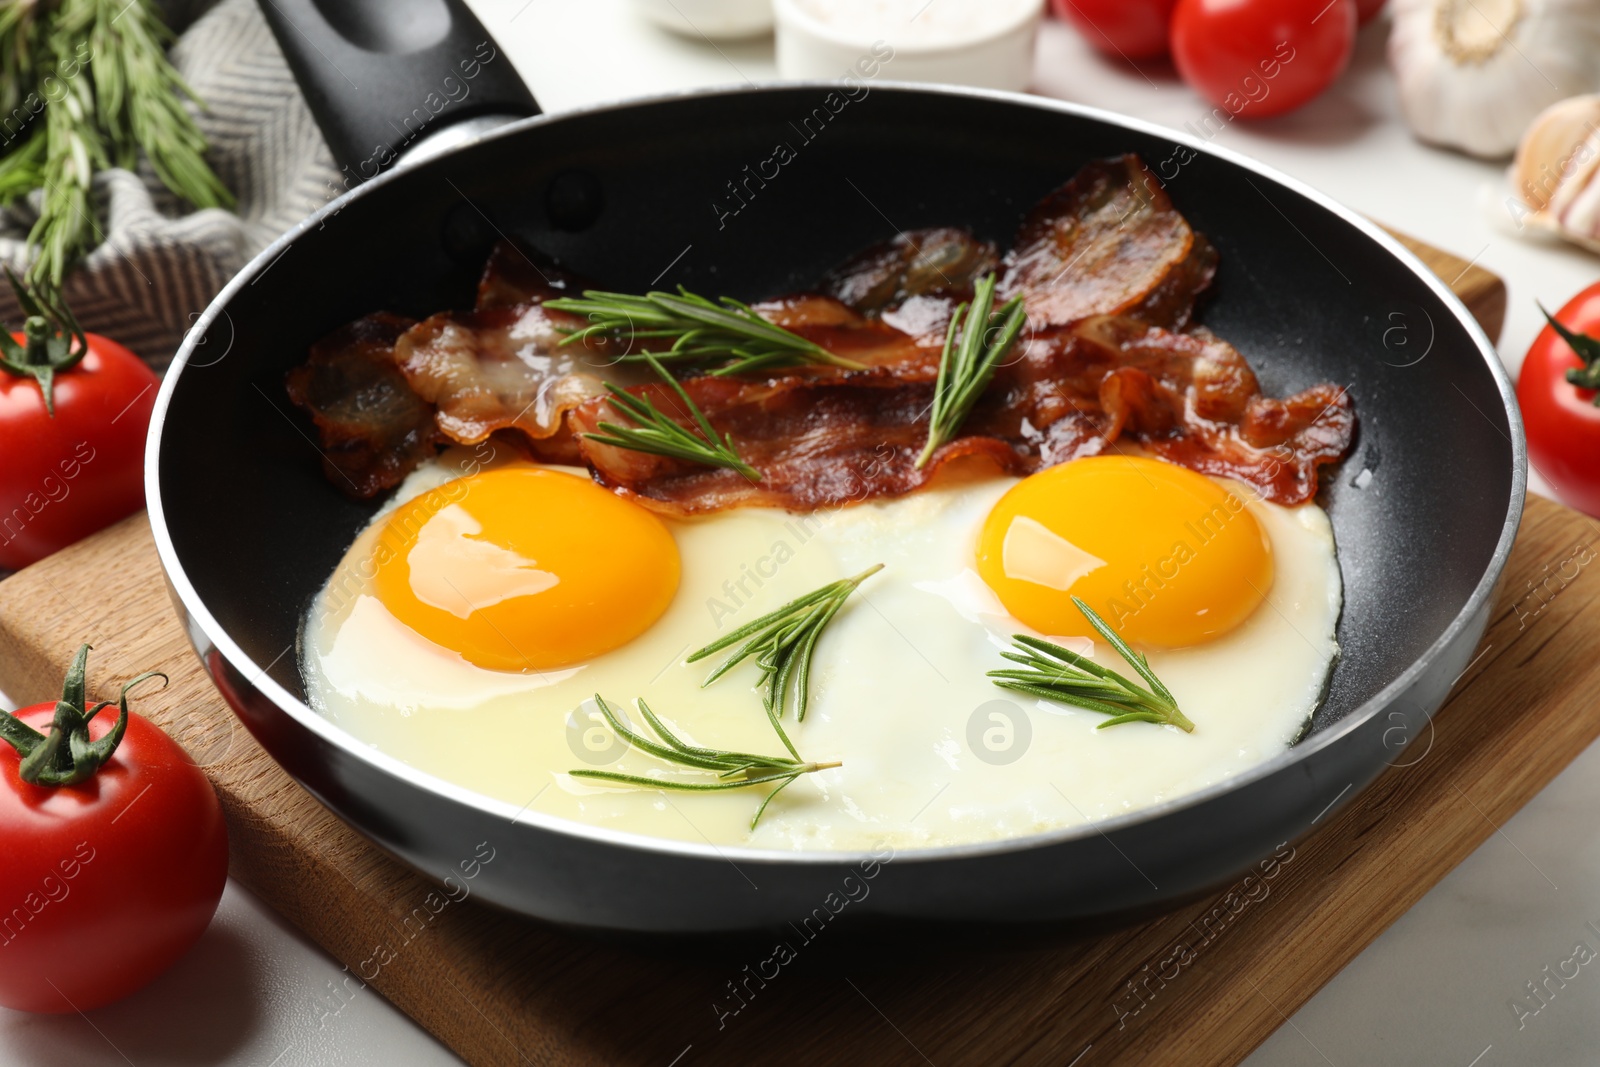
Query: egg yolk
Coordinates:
[520,567]
[1166,556]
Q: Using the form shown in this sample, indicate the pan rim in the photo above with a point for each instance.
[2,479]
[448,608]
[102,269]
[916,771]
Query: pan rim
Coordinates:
[305,717]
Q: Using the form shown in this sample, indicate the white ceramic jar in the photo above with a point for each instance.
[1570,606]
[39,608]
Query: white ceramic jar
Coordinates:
[963,42]
[718,20]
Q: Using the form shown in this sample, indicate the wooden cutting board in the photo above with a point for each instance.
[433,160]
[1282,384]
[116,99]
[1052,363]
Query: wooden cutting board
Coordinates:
[1202,985]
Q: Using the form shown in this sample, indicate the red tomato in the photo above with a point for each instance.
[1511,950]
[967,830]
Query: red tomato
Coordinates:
[1255,58]
[1367,10]
[1563,424]
[108,881]
[66,476]
[1132,29]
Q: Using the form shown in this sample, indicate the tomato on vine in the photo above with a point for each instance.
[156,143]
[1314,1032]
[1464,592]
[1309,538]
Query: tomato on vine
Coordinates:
[1558,390]
[1258,58]
[1131,29]
[115,851]
[74,411]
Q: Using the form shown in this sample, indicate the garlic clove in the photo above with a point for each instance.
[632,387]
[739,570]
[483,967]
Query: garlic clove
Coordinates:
[1581,220]
[1552,148]
[1556,172]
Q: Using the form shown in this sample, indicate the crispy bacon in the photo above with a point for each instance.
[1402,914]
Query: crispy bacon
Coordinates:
[823,442]
[1108,242]
[818,442]
[374,429]
[1191,398]
[846,332]
[1110,274]
[503,368]
[942,261]
[514,275]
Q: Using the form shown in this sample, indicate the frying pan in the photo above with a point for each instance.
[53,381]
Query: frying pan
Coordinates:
[637,196]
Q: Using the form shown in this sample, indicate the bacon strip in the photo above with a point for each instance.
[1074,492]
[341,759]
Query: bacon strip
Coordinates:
[502,368]
[846,332]
[1108,242]
[374,429]
[824,442]
[941,261]
[513,276]
[502,365]
[1192,399]
[1110,274]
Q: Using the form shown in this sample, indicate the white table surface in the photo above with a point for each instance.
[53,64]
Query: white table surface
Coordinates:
[1433,989]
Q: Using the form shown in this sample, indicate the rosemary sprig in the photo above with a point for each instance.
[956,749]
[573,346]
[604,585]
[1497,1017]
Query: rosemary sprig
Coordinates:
[22,167]
[19,32]
[735,770]
[1056,673]
[135,116]
[966,366]
[701,331]
[659,434]
[119,95]
[783,643]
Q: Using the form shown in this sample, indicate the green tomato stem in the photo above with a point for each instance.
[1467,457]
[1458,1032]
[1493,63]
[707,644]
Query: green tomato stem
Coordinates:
[65,755]
[36,349]
[52,341]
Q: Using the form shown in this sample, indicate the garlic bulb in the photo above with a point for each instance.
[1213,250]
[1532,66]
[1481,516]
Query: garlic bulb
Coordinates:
[1556,169]
[1473,73]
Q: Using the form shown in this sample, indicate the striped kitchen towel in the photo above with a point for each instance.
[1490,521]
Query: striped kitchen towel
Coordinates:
[160,263]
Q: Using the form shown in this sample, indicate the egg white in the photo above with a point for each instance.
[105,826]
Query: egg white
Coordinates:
[898,692]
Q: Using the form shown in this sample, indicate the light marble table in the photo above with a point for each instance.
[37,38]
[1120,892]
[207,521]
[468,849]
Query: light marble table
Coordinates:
[1434,989]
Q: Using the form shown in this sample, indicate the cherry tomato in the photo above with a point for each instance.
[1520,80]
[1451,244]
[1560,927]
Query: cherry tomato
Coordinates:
[1563,424]
[1255,58]
[69,473]
[1367,10]
[1131,29]
[106,881]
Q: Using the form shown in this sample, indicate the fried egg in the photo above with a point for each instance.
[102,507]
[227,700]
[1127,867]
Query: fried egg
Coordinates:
[470,625]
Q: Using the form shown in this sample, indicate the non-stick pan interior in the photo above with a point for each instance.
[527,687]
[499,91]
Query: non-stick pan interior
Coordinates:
[750,193]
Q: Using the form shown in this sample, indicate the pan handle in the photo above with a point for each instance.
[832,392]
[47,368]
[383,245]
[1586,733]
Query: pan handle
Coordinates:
[392,78]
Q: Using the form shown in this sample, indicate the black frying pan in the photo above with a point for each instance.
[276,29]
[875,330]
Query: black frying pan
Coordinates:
[635,195]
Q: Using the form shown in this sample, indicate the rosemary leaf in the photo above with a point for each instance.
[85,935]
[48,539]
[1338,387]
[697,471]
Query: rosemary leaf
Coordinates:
[22,168]
[736,770]
[1055,673]
[19,34]
[700,331]
[74,150]
[783,643]
[657,433]
[967,364]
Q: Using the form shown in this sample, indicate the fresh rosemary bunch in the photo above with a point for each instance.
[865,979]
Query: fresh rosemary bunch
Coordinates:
[966,365]
[734,770]
[93,88]
[783,643]
[701,331]
[1056,673]
[659,434]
